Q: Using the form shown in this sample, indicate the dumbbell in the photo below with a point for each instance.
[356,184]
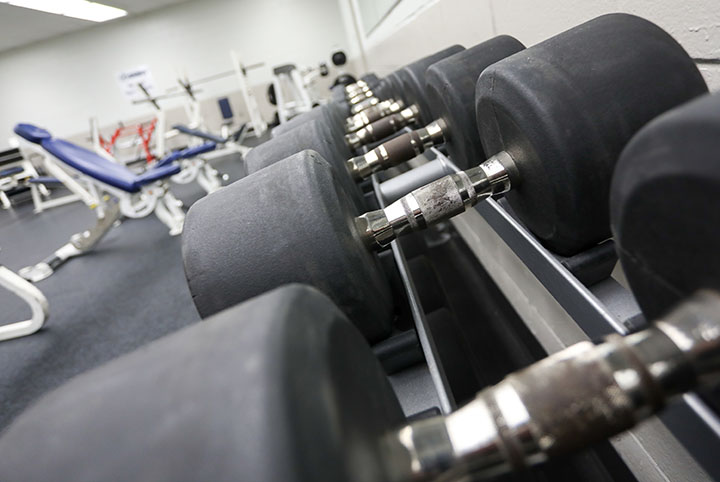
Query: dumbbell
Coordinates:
[404,84]
[407,82]
[389,87]
[556,131]
[410,81]
[664,200]
[284,388]
[448,99]
[448,107]
[450,92]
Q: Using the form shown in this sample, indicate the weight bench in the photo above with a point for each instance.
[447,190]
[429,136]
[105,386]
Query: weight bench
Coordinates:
[110,189]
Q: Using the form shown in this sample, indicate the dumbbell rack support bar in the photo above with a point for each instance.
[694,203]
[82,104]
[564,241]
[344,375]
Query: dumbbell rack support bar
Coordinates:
[589,313]
[435,368]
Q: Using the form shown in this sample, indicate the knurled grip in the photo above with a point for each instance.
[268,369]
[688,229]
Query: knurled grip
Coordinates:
[576,400]
[441,199]
[384,127]
[401,149]
[373,114]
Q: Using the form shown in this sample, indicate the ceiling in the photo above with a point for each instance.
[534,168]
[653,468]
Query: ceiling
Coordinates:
[22,26]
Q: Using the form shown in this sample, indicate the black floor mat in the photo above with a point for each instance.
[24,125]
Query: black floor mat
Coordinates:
[129,291]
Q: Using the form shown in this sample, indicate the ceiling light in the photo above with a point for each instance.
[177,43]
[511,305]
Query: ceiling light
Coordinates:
[82,9]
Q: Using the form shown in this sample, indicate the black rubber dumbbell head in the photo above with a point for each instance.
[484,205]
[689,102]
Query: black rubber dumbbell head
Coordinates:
[389,88]
[411,80]
[332,113]
[451,95]
[370,79]
[334,116]
[565,108]
[280,388]
[664,206]
[298,120]
[292,223]
[314,135]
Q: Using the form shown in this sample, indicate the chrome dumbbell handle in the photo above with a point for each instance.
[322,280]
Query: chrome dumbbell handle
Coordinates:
[435,202]
[397,150]
[566,402]
[360,96]
[372,114]
[382,128]
[364,104]
[352,90]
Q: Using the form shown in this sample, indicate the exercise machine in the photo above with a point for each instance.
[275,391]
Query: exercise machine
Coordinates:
[258,126]
[288,92]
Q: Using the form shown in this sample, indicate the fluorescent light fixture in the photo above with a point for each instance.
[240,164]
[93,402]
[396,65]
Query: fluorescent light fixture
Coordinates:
[82,9]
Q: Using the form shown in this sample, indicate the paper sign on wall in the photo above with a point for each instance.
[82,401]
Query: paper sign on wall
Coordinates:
[128,81]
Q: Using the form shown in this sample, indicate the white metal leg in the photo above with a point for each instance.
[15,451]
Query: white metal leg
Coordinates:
[80,243]
[32,296]
[209,178]
[4,200]
[41,205]
[69,182]
[169,211]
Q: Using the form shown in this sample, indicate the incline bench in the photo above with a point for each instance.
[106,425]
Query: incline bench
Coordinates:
[91,176]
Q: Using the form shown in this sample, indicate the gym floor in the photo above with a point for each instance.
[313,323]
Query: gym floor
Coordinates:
[127,292]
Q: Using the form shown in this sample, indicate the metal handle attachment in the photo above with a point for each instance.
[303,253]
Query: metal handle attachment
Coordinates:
[372,114]
[364,104]
[566,402]
[397,150]
[436,201]
[382,128]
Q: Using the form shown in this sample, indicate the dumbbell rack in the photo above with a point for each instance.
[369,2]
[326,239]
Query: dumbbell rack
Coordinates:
[559,310]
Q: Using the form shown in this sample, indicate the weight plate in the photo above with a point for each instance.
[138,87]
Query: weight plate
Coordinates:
[312,135]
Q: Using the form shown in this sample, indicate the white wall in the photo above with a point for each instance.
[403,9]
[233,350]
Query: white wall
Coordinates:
[62,82]
[433,24]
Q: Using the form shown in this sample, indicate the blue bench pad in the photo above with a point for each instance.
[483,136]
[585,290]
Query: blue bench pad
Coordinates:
[44,180]
[201,134]
[104,170]
[31,132]
[11,171]
[187,153]
[91,164]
